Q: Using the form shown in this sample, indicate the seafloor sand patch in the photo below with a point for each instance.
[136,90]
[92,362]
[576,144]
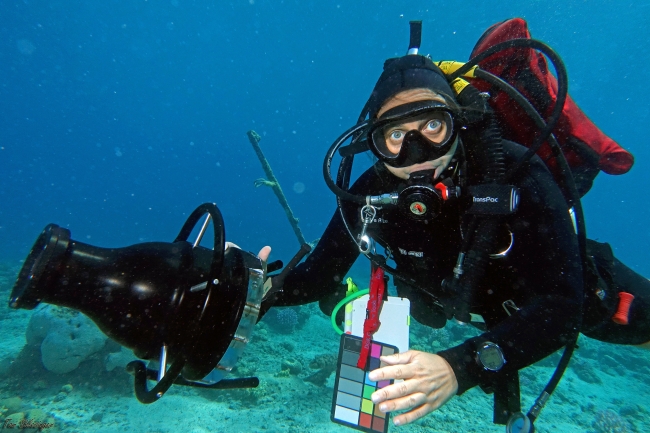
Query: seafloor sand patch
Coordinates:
[601,377]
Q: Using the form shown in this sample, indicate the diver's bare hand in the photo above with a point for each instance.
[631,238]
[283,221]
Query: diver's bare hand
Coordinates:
[264,254]
[429,382]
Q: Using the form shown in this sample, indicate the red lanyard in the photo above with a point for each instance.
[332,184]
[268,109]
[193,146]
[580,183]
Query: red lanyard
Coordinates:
[371,324]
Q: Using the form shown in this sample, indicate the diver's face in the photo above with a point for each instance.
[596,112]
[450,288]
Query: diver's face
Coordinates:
[432,129]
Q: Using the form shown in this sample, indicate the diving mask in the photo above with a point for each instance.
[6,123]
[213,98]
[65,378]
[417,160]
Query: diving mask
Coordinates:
[413,133]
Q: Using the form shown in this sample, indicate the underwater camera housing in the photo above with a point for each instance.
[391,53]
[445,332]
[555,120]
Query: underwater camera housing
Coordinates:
[177,303]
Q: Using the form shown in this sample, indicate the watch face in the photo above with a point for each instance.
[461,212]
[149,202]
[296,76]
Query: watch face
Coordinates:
[491,357]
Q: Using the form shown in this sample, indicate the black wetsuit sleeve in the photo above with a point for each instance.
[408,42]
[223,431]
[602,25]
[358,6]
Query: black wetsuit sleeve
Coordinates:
[548,287]
[323,271]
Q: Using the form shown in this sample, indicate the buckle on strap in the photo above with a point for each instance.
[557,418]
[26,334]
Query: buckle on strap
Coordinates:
[510,306]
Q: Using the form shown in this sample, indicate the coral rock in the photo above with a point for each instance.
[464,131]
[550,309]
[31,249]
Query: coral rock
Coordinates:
[608,421]
[119,359]
[66,338]
[13,404]
[294,366]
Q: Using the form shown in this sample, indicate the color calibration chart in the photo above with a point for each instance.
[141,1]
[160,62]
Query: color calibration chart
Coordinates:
[351,405]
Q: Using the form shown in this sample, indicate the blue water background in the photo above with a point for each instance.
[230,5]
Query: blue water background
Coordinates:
[118,118]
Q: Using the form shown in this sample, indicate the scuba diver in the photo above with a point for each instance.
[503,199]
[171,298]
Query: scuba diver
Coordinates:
[479,231]
[480,228]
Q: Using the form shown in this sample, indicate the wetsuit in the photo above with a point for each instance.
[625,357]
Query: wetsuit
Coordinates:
[541,275]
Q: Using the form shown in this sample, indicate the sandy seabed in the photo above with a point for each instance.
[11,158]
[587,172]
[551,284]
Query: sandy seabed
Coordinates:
[601,377]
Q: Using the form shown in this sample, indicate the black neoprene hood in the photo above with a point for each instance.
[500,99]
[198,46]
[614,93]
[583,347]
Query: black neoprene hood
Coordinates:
[406,73]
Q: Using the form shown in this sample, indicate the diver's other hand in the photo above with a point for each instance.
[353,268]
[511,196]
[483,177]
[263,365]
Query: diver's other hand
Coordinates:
[264,254]
[429,382]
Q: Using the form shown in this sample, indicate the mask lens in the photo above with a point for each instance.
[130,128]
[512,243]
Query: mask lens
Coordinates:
[435,123]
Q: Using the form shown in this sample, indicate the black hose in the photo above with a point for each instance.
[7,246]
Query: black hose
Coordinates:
[237,382]
[234,383]
[343,182]
[567,183]
[327,165]
[531,111]
[219,235]
[139,372]
[562,88]
[534,411]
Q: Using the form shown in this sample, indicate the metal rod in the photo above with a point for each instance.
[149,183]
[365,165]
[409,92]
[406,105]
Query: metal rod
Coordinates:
[202,232]
[162,369]
[199,287]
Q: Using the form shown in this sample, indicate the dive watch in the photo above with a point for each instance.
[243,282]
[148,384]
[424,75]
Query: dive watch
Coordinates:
[489,356]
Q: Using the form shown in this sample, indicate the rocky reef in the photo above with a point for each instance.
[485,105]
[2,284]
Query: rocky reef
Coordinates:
[66,337]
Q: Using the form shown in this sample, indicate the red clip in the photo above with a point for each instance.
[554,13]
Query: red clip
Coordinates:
[623,311]
[443,190]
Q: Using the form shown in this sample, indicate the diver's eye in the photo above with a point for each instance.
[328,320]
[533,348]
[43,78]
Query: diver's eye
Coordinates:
[396,135]
[434,130]
[434,126]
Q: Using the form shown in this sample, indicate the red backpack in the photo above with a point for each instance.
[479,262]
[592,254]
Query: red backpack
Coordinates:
[587,148]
